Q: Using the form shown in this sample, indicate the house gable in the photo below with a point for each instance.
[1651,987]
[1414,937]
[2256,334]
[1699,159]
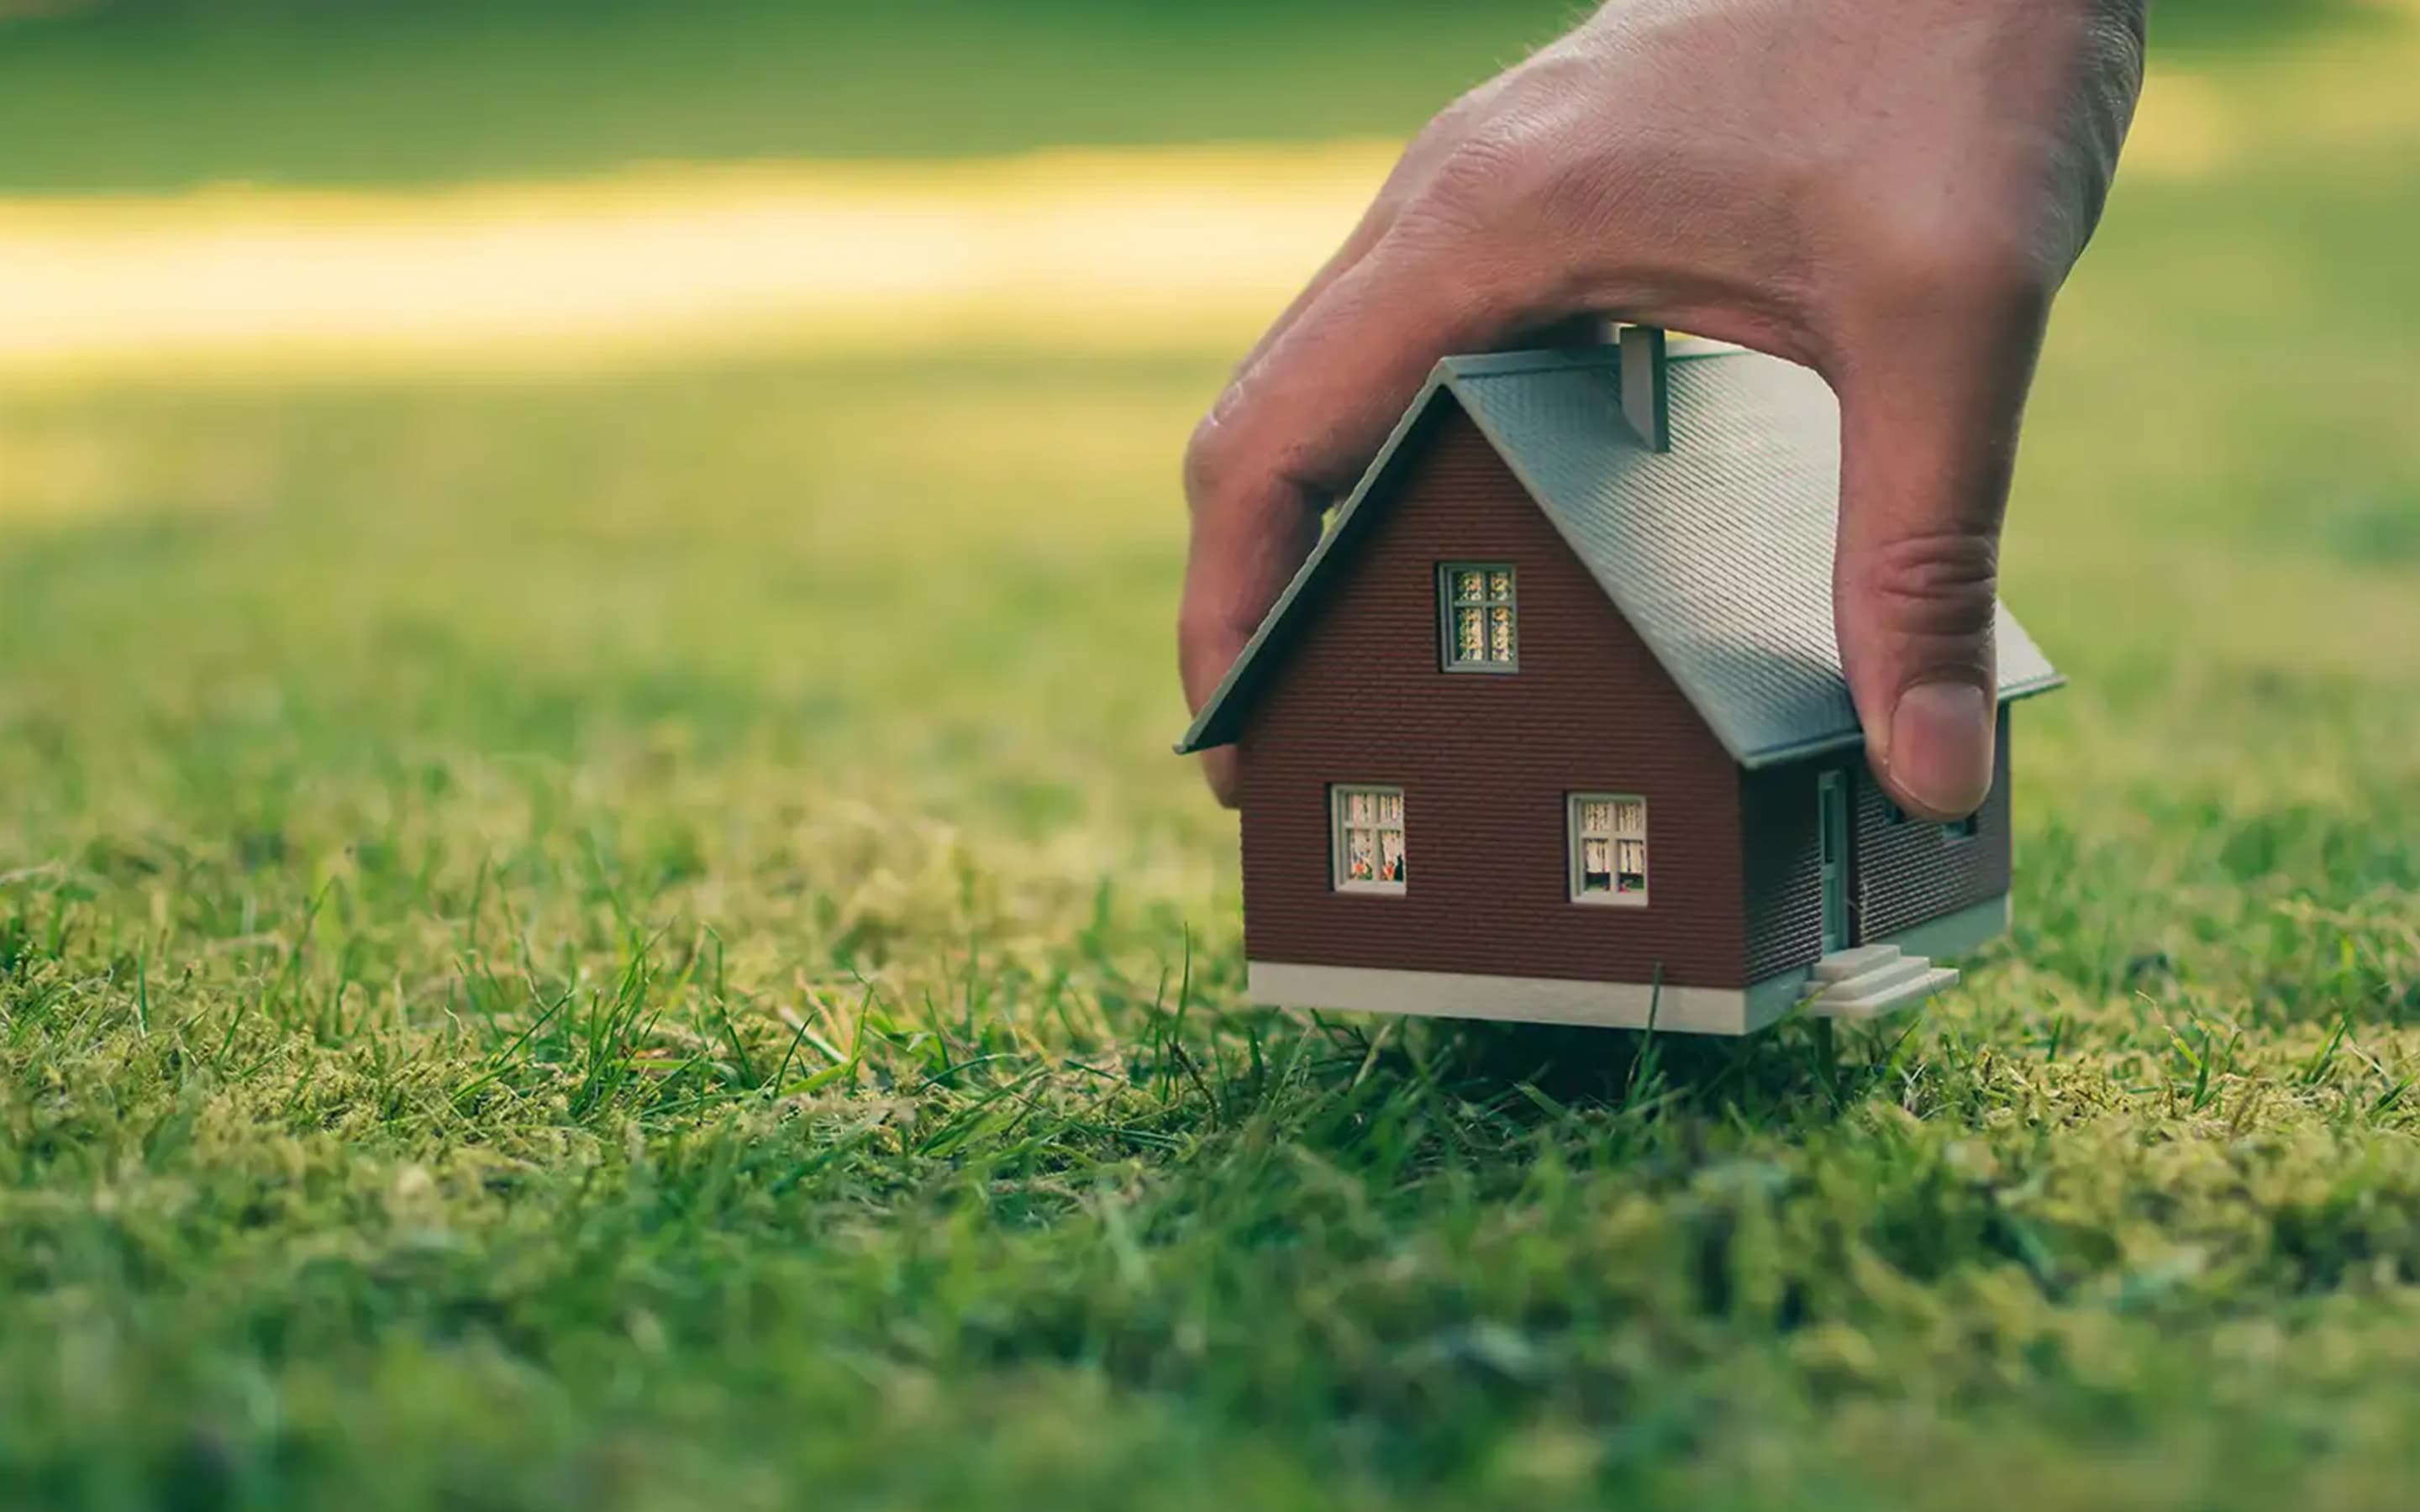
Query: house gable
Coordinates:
[1717,551]
[1354,692]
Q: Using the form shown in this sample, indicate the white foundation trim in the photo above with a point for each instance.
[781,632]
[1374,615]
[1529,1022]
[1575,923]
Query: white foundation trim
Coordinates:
[1519,999]
[1607,1005]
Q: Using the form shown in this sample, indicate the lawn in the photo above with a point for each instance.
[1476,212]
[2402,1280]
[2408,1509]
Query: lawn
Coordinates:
[634,942]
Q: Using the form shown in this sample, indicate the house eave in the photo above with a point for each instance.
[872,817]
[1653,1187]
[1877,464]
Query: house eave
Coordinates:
[1851,739]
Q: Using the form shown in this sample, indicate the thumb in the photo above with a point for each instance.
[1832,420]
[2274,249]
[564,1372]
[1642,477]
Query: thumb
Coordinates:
[1929,434]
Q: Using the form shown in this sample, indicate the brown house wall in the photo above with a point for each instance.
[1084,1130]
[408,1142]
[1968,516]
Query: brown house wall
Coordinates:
[1784,867]
[1906,873]
[1486,762]
[1900,874]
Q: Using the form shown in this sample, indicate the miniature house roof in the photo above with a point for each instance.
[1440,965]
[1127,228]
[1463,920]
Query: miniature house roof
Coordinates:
[1719,550]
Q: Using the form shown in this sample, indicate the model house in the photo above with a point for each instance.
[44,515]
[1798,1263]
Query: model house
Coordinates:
[1552,725]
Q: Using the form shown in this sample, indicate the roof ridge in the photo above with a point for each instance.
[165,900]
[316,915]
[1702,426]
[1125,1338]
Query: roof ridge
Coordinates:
[1523,360]
[1528,359]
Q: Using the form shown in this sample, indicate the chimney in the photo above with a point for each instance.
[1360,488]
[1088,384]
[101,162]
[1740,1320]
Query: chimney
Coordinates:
[1644,400]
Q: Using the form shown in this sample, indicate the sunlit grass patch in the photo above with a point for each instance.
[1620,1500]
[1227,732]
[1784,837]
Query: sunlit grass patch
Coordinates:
[1140,250]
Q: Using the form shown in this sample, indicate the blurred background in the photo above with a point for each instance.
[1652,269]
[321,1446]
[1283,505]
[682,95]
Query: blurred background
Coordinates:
[348,183]
[800,387]
[499,499]
[553,381]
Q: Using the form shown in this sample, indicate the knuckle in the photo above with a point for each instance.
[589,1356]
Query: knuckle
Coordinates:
[1970,260]
[1209,456]
[2121,29]
[1503,143]
[1489,210]
[1470,185]
[1459,119]
[1941,587]
[2110,85]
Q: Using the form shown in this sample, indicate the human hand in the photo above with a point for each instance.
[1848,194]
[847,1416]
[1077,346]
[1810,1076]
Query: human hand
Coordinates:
[1890,191]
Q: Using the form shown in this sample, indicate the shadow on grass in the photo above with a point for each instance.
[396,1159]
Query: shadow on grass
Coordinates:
[1796,1067]
[1799,1073]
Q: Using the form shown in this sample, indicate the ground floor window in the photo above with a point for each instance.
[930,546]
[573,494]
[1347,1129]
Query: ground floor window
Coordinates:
[1609,847]
[1367,826]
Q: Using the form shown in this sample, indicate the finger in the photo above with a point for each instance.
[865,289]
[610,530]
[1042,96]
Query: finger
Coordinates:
[1930,404]
[1294,430]
[1220,765]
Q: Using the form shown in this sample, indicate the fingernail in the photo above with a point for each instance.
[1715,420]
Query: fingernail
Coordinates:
[1941,746]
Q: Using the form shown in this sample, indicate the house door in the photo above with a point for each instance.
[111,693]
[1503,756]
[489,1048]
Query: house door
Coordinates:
[1832,824]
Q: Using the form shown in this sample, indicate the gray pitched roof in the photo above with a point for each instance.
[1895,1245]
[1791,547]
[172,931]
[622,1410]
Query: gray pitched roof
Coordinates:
[1719,551]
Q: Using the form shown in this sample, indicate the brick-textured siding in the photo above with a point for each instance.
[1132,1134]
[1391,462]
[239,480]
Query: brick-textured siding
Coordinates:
[1486,762]
[1899,874]
[1908,873]
[1785,868]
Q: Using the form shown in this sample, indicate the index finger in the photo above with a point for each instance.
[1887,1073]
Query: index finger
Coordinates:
[1294,431]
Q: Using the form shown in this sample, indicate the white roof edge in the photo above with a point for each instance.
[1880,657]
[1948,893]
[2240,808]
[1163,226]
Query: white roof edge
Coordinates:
[1564,359]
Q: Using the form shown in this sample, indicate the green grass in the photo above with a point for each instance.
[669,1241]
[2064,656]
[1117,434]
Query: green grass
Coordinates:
[146,94]
[636,944]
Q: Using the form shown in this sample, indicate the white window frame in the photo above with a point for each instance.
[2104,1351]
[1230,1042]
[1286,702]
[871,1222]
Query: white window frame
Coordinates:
[1575,849]
[1449,602]
[1339,839]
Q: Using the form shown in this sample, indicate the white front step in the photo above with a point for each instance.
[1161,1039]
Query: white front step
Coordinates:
[1874,978]
[1842,964]
[1904,993]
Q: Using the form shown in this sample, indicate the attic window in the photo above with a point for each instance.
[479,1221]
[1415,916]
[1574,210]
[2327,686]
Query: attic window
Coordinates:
[1609,836]
[1368,840]
[1476,618]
